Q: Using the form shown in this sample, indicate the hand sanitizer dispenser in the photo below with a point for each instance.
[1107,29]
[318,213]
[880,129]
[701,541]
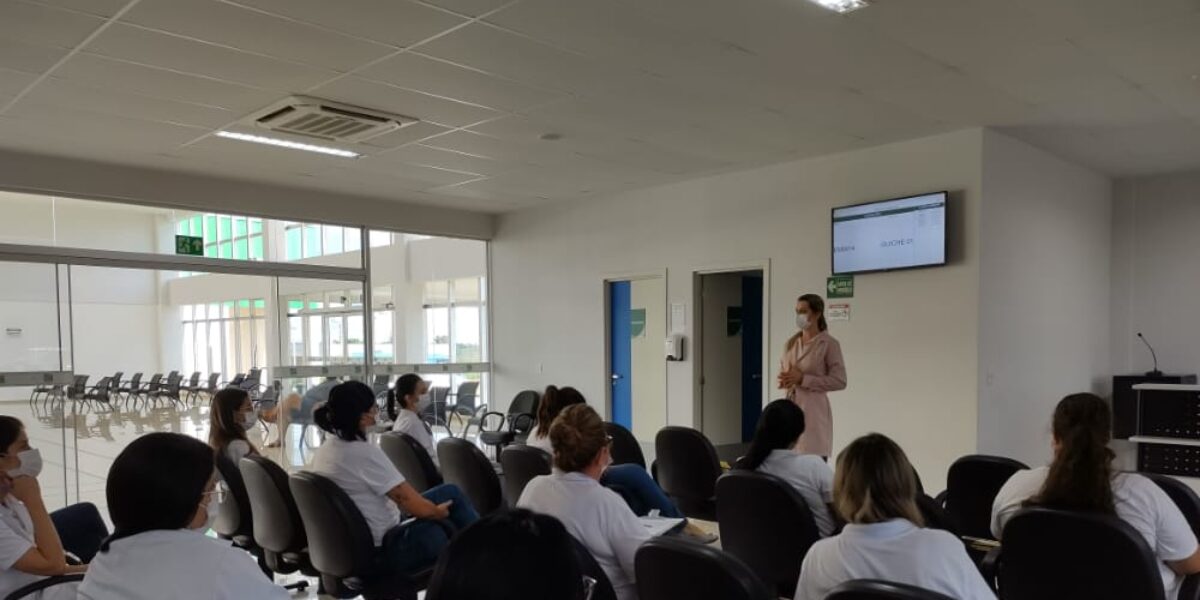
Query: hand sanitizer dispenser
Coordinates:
[674,347]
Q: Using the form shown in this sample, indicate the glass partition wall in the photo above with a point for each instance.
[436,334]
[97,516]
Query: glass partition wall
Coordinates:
[99,312]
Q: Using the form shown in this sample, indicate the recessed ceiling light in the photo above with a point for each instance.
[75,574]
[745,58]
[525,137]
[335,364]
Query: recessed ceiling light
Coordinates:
[551,136]
[842,6]
[258,139]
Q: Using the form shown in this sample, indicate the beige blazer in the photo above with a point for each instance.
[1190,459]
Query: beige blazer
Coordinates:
[824,371]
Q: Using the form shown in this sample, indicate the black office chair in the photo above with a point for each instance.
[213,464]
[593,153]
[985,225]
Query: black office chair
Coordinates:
[277,528]
[192,388]
[513,426]
[465,400]
[435,413]
[602,589]
[37,586]
[1052,554]
[671,568]
[871,589]
[465,465]
[1183,496]
[235,521]
[81,529]
[521,464]
[341,546]
[625,448]
[766,523]
[971,487]
[411,459]
[687,470]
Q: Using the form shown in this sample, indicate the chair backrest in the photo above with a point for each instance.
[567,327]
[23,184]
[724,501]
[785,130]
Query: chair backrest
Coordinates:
[603,590]
[234,519]
[172,375]
[466,394]
[213,380]
[524,402]
[155,378]
[411,459]
[255,376]
[80,384]
[765,523]
[340,543]
[971,487]
[625,448]
[102,387]
[195,380]
[277,525]
[1051,554]
[688,468]
[465,465]
[670,568]
[136,380]
[873,589]
[237,380]
[115,382]
[521,464]
[1183,496]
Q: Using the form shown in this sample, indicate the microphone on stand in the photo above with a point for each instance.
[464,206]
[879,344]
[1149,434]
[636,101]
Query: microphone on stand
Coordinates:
[1155,372]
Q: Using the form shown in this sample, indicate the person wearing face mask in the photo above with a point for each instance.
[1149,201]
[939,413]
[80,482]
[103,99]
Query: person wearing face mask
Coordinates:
[30,548]
[812,366]
[364,472]
[231,416]
[594,514]
[411,394]
[162,496]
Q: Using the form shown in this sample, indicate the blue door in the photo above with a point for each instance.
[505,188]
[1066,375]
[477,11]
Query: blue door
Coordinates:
[621,355]
[752,321]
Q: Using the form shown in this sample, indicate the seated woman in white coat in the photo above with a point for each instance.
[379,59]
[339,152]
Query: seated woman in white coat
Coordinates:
[874,490]
[30,548]
[594,514]
[1081,478]
[231,415]
[404,404]
[773,451]
[162,496]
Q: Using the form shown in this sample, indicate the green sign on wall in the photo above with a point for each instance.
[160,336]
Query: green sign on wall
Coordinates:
[637,322]
[189,245]
[840,286]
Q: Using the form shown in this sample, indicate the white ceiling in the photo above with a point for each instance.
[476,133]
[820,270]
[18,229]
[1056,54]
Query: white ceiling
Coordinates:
[643,91]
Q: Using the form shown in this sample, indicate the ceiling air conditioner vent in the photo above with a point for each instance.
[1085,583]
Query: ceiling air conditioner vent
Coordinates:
[329,121]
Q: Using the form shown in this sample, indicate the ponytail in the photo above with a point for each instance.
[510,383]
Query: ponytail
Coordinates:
[1080,477]
[553,401]
[342,413]
[779,426]
[391,404]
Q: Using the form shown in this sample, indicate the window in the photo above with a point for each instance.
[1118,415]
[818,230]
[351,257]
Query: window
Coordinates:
[454,320]
[306,240]
[225,236]
[226,337]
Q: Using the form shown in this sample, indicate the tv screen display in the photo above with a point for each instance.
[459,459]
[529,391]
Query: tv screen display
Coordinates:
[891,234]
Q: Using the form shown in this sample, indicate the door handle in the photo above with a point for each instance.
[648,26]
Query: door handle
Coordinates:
[615,376]
[756,376]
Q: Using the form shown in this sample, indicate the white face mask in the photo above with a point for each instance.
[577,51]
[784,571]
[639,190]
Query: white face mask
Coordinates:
[802,321]
[423,402]
[249,420]
[31,464]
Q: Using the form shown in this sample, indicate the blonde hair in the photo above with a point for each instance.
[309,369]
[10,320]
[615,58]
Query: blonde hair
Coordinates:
[577,436]
[875,482]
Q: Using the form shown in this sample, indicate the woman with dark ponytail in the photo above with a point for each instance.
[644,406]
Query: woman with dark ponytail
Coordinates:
[553,401]
[813,366]
[1081,478]
[773,451]
[162,497]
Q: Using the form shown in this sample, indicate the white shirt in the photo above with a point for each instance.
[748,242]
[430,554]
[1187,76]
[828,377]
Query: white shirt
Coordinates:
[16,538]
[179,564]
[410,423]
[895,550]
[597,517]
[1139,502]
[541,443]
[237,450]
[813,479]
[364,472]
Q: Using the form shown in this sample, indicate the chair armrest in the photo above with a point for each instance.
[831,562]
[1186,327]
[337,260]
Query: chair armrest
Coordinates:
[990,566]
[37,586]
[941,498]
[521,422]
[483,421]
[482,408]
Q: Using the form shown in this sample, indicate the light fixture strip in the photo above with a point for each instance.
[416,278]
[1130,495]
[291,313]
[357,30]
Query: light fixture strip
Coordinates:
[842,6]
[282,143]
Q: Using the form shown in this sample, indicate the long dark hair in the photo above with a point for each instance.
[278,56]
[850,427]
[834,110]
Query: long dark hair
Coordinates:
[341,415]
[779,426]
[405,386]
[538,561]
[554,400]
[10,430]
[815,304]
[1080,477]
[155,483]
[224,426]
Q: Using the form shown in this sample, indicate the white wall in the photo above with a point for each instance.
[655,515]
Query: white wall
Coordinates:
[911,347]
[1045,230]
[648,364]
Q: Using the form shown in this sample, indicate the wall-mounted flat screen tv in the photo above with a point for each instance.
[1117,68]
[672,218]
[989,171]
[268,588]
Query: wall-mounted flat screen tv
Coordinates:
[904,233]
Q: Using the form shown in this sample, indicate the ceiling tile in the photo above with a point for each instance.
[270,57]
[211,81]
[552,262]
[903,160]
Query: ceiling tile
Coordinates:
[471,8]
[498,149]
[254,31]
[162,83]
[161,50]
[415,72]
[100,8]
[12,82]
[1081,18]
[419,154]
[951,98]
[30,58]
[85,98]
[1160,54]
[385,164]
[407,135]
[44,25]
[1042,73]
[522,59]
[395,22]
[368,94]
[95,132]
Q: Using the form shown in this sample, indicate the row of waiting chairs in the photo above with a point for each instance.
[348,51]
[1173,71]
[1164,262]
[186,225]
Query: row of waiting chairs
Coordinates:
[172,388]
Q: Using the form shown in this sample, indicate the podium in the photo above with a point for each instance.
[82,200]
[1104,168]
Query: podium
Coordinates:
[1124,399]
[1167,428]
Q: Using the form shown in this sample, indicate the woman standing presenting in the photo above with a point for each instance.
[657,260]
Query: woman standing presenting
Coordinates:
[812,365]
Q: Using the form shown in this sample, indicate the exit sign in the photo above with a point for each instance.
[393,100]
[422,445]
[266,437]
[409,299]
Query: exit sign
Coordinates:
[840,286]
[189,245]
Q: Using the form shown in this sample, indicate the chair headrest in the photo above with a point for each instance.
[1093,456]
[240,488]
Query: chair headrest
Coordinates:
[676,568]
[873,589]
[277,526]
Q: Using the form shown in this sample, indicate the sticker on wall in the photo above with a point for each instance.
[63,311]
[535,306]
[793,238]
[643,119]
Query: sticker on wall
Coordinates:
[637,322]
[678,318]
[733,321]
[837,312]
